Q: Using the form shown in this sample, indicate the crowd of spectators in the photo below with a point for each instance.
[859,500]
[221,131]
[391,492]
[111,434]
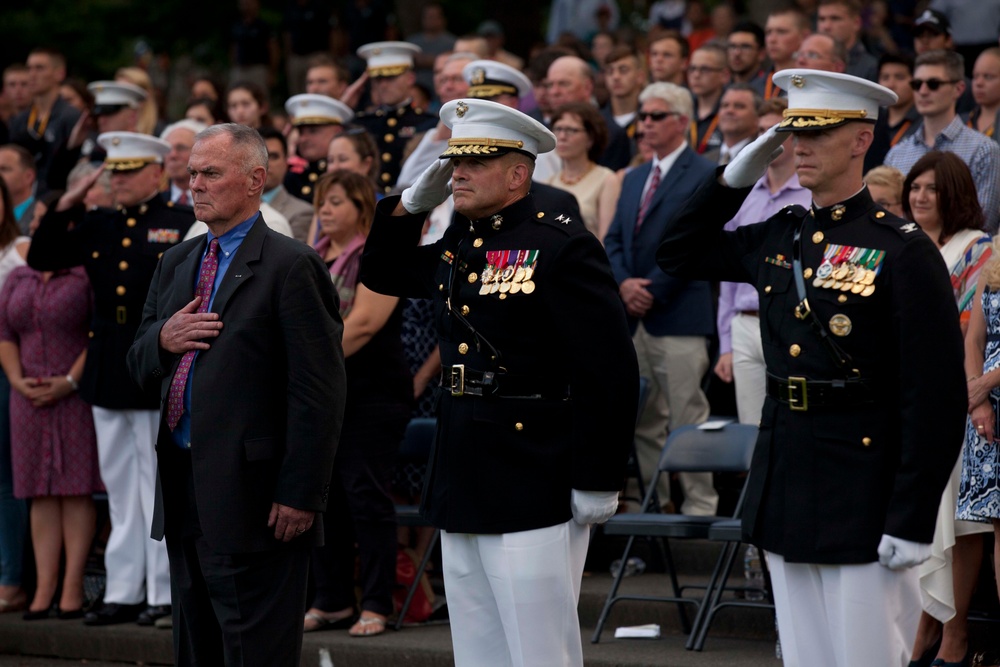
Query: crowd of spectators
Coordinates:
[640,117]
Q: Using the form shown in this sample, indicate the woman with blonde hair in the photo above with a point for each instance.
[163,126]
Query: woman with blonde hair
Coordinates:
[149,117]
[885,184]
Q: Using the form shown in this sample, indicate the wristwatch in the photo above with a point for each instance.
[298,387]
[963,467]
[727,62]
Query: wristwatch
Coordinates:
[72,382]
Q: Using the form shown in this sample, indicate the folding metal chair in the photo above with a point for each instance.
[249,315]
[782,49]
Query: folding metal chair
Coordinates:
[416,448]
[730,532]
[688,449]
[632,469]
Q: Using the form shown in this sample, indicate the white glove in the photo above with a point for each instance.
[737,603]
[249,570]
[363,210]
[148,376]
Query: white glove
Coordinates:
[430,189]
[593,506]
[751,162]
[897,554]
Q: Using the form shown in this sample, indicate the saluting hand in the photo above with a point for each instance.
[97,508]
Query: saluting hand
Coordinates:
[186,329]
[751,162]
[430,189]
[288,522]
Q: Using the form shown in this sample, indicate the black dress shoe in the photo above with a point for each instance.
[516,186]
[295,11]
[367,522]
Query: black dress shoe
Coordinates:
[69,614]
[36,615]
[153,613]
[111,613]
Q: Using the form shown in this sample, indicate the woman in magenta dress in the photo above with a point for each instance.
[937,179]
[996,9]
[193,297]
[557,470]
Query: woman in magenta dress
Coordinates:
[44,320]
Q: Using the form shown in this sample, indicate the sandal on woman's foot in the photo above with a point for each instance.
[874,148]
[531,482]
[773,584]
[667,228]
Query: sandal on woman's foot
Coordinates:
[368,626]
[314,622]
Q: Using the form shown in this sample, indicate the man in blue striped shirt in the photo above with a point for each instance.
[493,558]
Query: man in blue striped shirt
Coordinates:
[937,84]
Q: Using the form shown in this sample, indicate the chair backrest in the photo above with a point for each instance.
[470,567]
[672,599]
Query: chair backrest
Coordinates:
[643,397]
[417,443]
[691,449]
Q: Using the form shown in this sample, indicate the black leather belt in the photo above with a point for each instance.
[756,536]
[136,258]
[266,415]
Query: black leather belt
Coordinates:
[461,380]
[800,394]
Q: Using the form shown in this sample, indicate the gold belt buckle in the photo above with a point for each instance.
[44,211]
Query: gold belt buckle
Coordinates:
[798,403]
[120,314]
[458,379]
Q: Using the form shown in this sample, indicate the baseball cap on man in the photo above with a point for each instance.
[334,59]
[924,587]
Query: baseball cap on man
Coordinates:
[933,21]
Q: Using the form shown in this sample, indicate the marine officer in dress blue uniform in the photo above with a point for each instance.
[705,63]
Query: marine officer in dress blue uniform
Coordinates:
[395,120]
[858,432]
[540,385]
[318,119]
[120,249]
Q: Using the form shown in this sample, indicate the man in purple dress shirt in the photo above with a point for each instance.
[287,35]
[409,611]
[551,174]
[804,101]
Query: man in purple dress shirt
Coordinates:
[741,353]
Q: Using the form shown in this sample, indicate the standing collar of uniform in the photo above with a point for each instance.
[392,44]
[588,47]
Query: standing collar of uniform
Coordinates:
[398,108]
[231,240]
[152,201]
[851,208]
[506,218]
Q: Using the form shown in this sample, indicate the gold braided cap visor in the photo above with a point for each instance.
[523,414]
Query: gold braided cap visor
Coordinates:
[128,163]
[815,119]
[487,91]
[482,147]
[316,120]
[387,71]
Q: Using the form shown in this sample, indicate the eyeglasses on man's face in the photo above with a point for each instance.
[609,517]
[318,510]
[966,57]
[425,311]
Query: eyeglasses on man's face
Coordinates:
[656,115]
[932,84]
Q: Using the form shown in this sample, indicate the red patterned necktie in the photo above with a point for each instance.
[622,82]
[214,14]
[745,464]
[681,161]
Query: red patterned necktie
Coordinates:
[175,401]
[648,199]
[183,199]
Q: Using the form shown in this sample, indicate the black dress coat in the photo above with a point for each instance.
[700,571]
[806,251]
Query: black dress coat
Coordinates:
[827,482]
[566,374]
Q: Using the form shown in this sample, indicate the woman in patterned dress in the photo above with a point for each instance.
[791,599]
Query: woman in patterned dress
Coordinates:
[13,511]
[979,491]
[940,196]
[44,320]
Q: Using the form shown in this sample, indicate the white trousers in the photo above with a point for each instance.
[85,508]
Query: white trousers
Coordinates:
[749,369]
[136,564]
[675,366]
[512,598]
[844,615]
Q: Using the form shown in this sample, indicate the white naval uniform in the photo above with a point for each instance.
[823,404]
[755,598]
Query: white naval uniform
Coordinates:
[512,597]
[136,564]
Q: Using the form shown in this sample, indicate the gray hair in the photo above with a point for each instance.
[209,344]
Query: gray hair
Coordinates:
[678,98]
[249,145]
[462,55]
[194,126]
[84,169]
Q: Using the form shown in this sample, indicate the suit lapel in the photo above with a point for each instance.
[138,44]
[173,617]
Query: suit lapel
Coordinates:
[239,270]
[670,179]
[186,275]
[634,199]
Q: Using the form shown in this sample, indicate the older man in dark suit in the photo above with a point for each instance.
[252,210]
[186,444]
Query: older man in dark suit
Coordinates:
[670,318]
[241,333]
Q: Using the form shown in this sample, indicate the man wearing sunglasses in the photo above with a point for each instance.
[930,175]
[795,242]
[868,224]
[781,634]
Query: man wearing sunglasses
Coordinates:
[937,84]
[857,437]
[670,319]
